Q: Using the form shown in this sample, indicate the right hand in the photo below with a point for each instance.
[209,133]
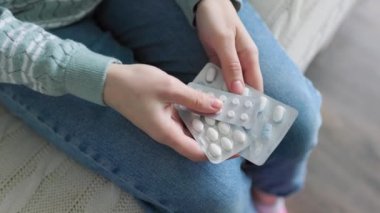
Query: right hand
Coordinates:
[228,44]
[145,96]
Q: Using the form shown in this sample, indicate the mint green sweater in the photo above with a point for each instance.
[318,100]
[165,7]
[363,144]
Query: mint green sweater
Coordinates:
[32,57]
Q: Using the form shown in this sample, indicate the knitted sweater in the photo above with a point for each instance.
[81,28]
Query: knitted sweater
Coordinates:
[32,57]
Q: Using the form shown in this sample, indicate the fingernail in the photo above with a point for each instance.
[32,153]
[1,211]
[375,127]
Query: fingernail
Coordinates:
[216,103]
[237,86]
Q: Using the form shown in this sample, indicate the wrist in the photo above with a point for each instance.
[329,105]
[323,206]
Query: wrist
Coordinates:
[206,3]
[112,75]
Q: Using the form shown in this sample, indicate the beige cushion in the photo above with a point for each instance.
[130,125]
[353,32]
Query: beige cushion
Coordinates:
[36,177]
[303,27]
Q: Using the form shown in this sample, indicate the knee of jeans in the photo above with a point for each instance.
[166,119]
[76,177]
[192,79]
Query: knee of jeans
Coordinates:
[303,135]
[218,195]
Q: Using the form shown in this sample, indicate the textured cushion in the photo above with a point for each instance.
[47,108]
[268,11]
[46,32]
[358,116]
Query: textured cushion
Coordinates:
[35,177]
[303,27]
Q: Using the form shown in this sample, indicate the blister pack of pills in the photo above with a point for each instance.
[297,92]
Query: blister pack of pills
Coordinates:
[270,119]
[219,140]
[237,109]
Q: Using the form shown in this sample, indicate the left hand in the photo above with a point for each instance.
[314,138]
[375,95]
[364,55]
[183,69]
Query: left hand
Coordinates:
[146,95]
[227,43]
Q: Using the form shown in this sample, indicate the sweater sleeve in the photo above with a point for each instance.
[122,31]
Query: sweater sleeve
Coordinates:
[32,57]
[188,7]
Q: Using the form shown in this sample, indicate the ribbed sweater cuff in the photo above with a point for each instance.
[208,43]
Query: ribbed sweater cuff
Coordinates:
[85,75]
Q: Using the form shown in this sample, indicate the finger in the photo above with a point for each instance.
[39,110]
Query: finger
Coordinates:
[231,67]
[234,156]
[177,119]
[184,145]
[188,148]
[249,59]
[213,58]
[252,72]
[193,99]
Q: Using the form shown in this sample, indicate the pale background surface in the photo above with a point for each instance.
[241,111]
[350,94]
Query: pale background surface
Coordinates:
[303,27]
[344,173]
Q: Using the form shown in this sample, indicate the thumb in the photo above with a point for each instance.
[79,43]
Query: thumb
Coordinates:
[232,71]
[194,99]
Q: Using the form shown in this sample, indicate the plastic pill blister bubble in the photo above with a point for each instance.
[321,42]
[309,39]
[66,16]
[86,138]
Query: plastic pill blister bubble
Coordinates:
[219,140]
[270,122]
[237,109]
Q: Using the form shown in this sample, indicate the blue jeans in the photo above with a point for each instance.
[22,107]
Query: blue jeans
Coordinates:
[157,33]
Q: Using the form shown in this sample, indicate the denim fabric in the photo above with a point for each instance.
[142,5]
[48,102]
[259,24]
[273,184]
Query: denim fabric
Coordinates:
[157,33]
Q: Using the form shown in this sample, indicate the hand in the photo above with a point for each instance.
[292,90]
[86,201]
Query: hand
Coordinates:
[145,96]
[227,43]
